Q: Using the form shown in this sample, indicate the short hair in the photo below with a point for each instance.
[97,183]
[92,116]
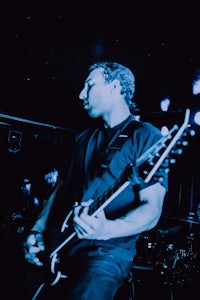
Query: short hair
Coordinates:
[114,70]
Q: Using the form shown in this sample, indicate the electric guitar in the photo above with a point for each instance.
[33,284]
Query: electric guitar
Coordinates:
[148,165]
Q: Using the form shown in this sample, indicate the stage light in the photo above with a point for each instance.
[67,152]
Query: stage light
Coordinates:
[197,118]
[14,141]
[164,104]
[196,83]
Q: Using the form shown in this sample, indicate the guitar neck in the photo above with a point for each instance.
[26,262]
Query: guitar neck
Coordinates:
[110,194]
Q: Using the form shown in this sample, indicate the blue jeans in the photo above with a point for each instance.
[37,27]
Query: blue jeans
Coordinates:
[95,274]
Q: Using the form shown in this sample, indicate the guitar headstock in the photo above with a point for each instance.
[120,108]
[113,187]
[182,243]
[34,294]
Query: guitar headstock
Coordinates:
[166,151]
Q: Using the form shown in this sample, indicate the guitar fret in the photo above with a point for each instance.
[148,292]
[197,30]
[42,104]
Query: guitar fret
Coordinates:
[106,195]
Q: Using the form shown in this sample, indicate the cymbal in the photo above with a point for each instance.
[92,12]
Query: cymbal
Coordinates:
[190,219]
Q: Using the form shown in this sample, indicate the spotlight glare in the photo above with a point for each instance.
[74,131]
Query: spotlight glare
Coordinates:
[196,87]
[164,104]
[197,118]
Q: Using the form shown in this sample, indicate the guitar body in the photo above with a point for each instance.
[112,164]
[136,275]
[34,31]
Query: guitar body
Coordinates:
[50,273]
[148,165]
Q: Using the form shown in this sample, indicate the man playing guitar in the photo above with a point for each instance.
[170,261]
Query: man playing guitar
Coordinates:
[96,258]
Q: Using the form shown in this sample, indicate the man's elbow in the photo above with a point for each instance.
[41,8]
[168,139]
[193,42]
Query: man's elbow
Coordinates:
[157,211]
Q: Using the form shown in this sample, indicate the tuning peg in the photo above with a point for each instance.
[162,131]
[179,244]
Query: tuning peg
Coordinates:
[145,172]
[192,132]
[189,131]
[182,142]
[185,143]
[172,161]
[160,179]
[151,162]
[177,151]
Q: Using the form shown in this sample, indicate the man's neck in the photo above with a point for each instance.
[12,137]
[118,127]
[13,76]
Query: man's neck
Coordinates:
[113,120]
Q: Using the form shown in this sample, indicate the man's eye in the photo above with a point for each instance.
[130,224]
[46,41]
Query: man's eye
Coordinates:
[89,86]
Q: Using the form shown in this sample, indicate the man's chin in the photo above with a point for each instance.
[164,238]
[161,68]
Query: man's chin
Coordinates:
[92,114]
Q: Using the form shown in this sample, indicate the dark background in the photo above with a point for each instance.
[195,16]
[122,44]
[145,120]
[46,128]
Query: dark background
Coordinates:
[48,45]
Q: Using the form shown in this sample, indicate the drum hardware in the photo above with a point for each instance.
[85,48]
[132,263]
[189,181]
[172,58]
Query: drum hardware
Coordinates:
[146,249]
[190,219]
[173,260]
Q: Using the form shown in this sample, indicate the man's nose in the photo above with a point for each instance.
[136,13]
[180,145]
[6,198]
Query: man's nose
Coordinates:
[82,94]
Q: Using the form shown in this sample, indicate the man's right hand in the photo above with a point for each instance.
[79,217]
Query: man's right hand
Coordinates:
[32,246]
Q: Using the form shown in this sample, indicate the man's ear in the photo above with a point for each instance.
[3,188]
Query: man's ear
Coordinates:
[116,85]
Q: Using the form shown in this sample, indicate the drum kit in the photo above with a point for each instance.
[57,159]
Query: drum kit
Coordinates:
[173,253]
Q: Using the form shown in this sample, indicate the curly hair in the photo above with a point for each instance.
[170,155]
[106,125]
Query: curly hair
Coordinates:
[112,71]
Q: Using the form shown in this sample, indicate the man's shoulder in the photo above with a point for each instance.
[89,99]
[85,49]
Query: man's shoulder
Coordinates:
[147,127]
[146,124]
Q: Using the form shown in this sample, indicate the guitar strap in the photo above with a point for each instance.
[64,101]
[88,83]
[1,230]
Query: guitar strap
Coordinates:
[115,145]
[118,141]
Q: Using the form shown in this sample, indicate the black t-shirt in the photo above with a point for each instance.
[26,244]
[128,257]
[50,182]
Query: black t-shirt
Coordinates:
[86,163]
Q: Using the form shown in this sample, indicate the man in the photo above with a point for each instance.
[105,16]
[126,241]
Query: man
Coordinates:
[97,258]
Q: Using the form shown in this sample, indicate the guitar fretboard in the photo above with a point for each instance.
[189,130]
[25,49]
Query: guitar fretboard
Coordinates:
[114,190]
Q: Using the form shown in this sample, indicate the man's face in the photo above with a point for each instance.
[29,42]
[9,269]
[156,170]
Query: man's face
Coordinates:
[96,94]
